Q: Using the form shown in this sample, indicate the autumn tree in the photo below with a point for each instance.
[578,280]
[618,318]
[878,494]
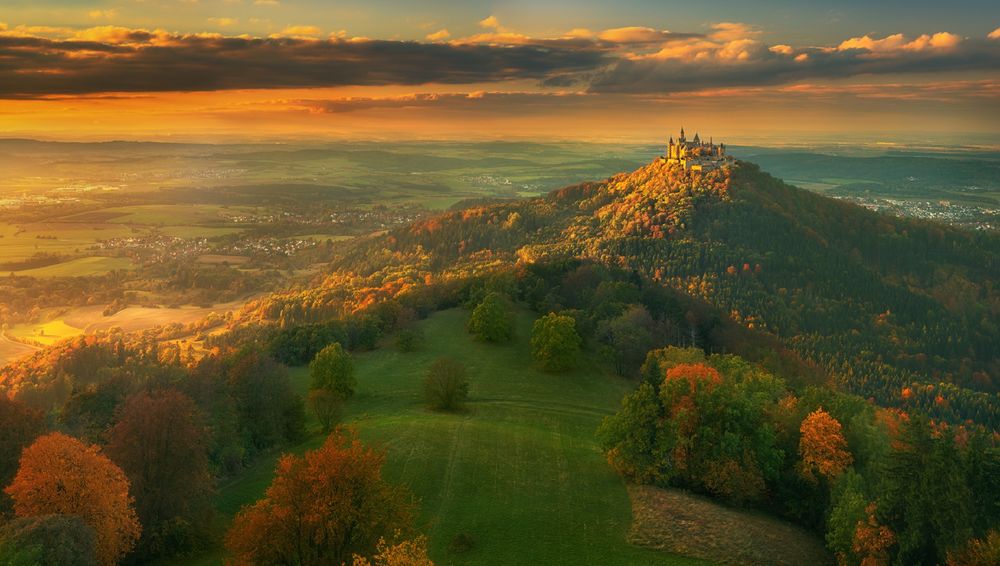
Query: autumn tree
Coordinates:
[333,370]
[161,443]
[322,508]
[555,344]
[405,553]
[60,475]
[63,540]
[872,540]
[822,447]
[492,320]
[445,385]
[19,426]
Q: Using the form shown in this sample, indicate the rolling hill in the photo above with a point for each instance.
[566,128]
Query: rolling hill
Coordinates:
[899,310]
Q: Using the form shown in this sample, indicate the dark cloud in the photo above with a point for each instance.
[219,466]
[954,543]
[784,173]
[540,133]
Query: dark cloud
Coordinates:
[144,62]
[632,60]
[485,101]
[763,67]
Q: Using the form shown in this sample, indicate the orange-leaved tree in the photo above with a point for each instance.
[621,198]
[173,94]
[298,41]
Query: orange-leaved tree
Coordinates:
[822,447]
[60,475]
[322,508]
[872,540]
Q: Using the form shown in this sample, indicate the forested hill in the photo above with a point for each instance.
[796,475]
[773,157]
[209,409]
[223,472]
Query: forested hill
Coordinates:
[900,310]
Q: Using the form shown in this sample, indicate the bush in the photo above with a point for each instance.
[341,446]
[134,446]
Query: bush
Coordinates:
[326,405]
[491,320]
[446,387]
[409,340]
[555,345]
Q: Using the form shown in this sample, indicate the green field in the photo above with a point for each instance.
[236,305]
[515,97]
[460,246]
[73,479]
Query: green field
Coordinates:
[520,471]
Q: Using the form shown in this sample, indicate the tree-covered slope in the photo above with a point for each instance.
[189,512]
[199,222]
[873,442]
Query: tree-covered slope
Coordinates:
[883,303]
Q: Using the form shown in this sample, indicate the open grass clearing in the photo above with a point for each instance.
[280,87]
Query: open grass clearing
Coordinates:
[519,471]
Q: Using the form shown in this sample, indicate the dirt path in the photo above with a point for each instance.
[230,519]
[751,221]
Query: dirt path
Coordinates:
[683,523]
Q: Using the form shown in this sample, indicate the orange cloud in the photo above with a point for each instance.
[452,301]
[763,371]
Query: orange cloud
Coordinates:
[490,23]
[439,35]
[301,32]
[898,42]
[633,34]
[224,22]
[729,31]
[995,34]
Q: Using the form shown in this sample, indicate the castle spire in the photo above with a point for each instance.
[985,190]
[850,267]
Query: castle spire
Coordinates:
[682,134]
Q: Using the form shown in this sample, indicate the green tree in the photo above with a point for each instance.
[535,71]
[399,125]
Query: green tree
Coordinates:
[492,320]
[446,386]
[333,370]
[630,438]
[555,345]
[66,540]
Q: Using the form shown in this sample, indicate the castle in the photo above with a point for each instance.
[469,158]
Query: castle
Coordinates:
[695,154]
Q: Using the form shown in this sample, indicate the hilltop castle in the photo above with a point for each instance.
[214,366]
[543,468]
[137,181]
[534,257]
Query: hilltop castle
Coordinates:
[695,154]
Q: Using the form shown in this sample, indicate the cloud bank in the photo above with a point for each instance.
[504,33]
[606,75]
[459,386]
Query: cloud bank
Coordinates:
[38,62]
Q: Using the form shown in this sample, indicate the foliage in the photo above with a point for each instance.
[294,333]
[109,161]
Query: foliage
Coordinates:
[161,444]
[822,447]
[322,508]
[978,552]
[19,426]
[409,340]
[267,410]
[555,345]
[60,475]
[406,553]
[703,430]
[446,386]
[491,319]
[326,406]
[333,370]
[63,540]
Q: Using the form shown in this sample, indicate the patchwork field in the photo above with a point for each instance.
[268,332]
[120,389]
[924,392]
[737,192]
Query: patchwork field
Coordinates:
[519,472]
[87,320]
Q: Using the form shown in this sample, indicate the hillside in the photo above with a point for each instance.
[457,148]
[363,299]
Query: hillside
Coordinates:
[519,472]
[900,310]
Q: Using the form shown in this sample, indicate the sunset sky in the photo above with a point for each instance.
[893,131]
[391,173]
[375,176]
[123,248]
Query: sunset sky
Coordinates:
[218,70]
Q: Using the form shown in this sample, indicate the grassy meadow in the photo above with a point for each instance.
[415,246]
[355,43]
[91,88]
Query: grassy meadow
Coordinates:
[519,471]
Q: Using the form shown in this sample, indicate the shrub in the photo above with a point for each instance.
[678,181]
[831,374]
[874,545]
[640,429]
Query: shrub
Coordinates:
[409,340]
[446,386]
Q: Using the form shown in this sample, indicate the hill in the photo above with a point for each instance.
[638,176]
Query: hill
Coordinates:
[520,471]
[895,309]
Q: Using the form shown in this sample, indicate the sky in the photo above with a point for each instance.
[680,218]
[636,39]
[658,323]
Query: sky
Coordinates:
[629,70]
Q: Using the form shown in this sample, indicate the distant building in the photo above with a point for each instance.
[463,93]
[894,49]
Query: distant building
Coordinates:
[695,154]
